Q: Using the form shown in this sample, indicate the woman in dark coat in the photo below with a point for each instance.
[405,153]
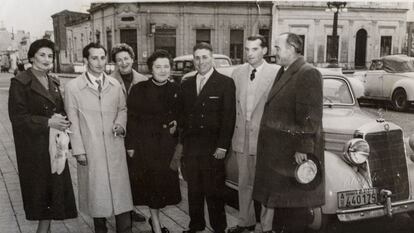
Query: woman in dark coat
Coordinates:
[35,106]
[151,140]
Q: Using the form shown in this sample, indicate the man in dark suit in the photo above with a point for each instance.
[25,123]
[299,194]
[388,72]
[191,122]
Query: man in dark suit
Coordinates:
[291,134]
[207,122]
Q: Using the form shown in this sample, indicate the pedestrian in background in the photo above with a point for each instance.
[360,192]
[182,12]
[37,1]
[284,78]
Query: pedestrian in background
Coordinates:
[290,135]
[253,82]
[207,119]
[123,56]
[35,107]
[95,104]
[151,139]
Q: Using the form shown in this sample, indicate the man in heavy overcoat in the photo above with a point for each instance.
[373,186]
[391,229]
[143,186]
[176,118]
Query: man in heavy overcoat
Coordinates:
[95,104]
[208,116]
[290,134]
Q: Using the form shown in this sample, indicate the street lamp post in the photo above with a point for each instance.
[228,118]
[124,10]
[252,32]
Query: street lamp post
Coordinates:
[336,7]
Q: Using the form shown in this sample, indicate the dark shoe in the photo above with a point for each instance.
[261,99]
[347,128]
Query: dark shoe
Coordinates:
[190,231]
[239,229]
[137,217]
[163,229]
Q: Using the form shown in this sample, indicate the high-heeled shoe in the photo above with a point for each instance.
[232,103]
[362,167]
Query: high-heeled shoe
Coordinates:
[163,229]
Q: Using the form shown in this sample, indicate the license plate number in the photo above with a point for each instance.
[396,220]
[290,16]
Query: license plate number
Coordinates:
[355,198]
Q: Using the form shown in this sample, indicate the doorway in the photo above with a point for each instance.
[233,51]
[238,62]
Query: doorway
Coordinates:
[360,49]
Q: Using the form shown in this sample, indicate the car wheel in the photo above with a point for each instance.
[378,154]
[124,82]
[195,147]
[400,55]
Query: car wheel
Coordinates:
[323,223]
[411,215]
[399,100]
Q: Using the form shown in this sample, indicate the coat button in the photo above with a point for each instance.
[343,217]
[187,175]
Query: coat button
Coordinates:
[46,107]
[201,126]
[203,104]
[202,115]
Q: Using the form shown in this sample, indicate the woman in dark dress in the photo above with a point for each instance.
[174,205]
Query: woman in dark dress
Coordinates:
[151,139]
[35,106]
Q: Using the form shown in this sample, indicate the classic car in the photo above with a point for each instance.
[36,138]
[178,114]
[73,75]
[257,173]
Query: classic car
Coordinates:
[184,64]
[390,78]
[369,168]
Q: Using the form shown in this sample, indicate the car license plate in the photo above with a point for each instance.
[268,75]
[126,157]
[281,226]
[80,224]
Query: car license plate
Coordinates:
[355,198]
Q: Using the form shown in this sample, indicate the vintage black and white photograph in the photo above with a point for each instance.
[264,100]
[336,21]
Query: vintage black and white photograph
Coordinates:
[214,116]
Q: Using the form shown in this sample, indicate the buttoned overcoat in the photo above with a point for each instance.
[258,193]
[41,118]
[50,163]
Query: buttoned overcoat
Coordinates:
[104,187]
[45,195]
[291,122]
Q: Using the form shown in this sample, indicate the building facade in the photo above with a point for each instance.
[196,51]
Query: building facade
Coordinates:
[367,30]
[78,35]
[60,20]
[178,26]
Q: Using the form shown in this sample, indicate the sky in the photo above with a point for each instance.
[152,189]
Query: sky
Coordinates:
[34,16]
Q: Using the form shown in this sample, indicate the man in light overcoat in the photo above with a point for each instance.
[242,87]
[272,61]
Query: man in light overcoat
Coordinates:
[95,105]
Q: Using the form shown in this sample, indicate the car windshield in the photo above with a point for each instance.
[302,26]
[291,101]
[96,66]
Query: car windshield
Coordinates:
[183,65]
[336,91]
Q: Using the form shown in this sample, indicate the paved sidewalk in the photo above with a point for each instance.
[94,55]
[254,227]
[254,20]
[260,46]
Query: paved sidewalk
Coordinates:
[12,218]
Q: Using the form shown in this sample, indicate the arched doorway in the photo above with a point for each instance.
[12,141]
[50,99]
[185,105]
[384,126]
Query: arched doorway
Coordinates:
[360,49]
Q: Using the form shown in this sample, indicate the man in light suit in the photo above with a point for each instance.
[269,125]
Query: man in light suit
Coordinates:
[253,82]
[207,121]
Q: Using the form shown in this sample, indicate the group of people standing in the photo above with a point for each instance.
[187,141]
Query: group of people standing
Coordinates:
[130,134]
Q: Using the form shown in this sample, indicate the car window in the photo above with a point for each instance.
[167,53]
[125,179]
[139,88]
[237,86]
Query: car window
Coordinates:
[179,65]
[336,91]
[221,62]
[376,65]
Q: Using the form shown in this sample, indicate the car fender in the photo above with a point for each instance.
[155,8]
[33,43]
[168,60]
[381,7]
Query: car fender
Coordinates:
[339,176]
[407,84]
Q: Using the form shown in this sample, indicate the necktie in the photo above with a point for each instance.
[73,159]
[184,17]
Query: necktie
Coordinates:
[99,82]
[252,75]
[200,87]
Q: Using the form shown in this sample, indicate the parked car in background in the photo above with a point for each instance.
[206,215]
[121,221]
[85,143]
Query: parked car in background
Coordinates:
[369,168]
[390,78]
[184,64]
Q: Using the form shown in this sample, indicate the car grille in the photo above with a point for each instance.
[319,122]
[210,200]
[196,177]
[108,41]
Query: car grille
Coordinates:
[387,163]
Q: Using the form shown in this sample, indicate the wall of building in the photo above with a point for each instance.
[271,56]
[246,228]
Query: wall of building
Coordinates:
[77,37]
[312,20]
[185,18]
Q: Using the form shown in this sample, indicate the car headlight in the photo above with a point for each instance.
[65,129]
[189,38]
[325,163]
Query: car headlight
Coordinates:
[356,151]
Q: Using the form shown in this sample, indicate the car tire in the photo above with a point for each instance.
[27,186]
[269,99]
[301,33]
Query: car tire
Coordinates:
[399,100]
[323,223]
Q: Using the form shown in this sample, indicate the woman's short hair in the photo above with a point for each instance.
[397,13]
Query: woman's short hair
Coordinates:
[38,44]
[159,53]
[122,47]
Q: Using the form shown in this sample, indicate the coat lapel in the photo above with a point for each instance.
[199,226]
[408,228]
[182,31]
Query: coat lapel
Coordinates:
[210,84]
[37,87]
[243,89]
[263,86]
[280,82]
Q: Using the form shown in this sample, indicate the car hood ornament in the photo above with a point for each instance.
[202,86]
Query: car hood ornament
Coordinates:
[380,118]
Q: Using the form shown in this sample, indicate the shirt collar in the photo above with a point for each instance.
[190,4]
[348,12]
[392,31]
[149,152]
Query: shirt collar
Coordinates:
[93,79]
[258,69]
[207,75]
